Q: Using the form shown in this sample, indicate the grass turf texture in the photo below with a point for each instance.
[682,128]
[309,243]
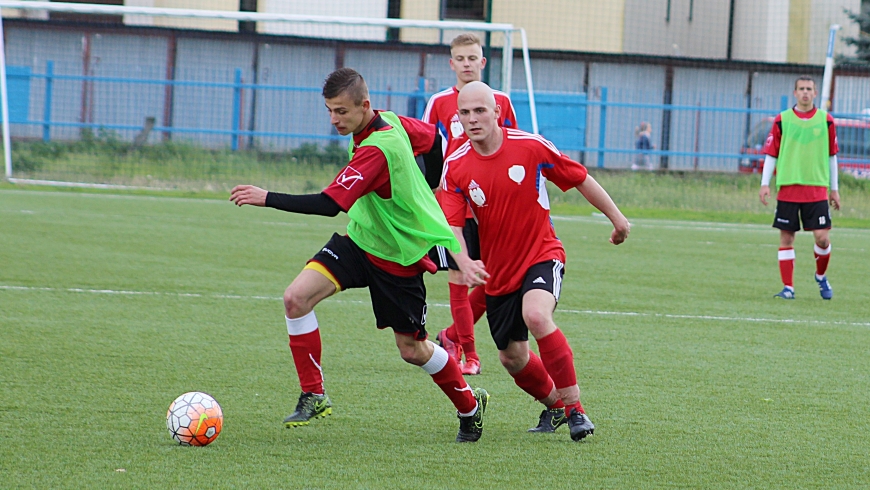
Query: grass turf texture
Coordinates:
[111,306]
[181,168]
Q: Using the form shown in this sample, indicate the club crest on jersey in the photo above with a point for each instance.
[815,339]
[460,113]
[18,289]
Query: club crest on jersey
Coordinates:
[517,173]
[476,194]
[348,177]
[456,129]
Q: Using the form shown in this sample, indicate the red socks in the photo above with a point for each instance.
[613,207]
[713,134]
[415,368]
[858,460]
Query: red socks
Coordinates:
[823,255]
[786,266]
[451,382]
[533,379]
[306,349]
[558,359]
[463,322]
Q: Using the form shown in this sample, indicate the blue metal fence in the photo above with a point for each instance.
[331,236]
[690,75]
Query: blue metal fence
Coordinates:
[563,117]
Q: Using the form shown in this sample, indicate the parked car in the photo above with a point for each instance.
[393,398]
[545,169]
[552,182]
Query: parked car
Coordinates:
[853,137]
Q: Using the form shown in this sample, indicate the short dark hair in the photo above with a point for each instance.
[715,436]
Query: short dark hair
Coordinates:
[346,80]
[805,78]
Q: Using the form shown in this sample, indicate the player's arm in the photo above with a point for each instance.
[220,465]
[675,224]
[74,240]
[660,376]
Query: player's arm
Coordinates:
[771,153]
[598,197]
[834,197]
[834,194]
[431,163]
[766,175]
[319,204]
[453,205]
[473,271]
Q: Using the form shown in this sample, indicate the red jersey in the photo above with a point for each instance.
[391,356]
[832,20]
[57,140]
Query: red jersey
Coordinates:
[797,192]
[441,110]
[368,171]
[506,191]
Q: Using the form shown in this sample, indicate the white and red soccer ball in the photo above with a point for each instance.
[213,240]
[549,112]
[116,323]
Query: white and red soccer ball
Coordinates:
[194,419]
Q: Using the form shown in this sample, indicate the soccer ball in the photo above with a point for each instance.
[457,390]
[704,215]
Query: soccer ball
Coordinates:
[194,419]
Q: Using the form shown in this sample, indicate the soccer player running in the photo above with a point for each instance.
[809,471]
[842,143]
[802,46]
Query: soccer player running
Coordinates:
[394,221]
[467,61]
[499,172]
[802,148]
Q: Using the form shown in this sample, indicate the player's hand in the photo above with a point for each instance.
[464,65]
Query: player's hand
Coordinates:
[248,194]
[620,232]
[764,194]
[473,272]
[834,198]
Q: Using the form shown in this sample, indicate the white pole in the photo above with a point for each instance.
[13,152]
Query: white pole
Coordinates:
[507,63]
[829,68]
[528,65]
[7,141]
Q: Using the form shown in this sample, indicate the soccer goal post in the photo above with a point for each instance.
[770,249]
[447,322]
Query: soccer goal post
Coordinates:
[209,89]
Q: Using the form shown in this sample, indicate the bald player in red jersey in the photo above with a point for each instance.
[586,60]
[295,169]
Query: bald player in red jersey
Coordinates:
[467,61]
[499,173]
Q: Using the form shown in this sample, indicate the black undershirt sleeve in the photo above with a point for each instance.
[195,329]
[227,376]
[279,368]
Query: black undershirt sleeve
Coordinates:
[432,163]
[319,204]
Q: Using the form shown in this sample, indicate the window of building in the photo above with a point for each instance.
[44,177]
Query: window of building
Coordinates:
[247,6]
[463,9]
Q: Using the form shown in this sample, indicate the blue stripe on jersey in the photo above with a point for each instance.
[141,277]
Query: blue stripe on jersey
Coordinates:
[441,129]
[541,166]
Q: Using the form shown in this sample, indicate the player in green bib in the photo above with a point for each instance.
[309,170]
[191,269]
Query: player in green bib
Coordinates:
[802,148]
[394,222]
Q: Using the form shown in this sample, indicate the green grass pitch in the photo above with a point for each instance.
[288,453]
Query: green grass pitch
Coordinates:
[113,305]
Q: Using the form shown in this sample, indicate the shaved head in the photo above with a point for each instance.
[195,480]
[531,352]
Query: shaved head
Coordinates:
[477,91]
[479,114]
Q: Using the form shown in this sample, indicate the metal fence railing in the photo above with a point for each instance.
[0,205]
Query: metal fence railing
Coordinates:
[237,114]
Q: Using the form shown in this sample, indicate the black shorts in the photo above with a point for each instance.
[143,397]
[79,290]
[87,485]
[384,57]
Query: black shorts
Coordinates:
[398,302]
[442,257]
[814,215]
[505,313]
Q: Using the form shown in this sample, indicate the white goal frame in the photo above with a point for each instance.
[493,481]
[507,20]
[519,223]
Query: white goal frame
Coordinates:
[84,8]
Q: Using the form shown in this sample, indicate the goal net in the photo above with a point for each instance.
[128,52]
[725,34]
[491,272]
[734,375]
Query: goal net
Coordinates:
[110,95]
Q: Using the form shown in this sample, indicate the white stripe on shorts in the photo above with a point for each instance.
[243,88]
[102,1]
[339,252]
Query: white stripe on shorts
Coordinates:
[442,256]
[557,278]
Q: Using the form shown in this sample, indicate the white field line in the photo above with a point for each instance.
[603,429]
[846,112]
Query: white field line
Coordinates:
[4,287]
[600,219]
[595,218]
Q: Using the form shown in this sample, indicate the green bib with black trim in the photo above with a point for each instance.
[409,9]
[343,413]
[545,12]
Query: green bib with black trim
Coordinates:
[403,228]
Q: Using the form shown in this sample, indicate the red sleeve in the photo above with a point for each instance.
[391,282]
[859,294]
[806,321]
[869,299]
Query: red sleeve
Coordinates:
[430,111]
[507,112]
[558,168]
[421,134]
[366,172]
[833,144]
[452,201]
[771,144]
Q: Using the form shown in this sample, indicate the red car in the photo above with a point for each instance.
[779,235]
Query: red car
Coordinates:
[853,137]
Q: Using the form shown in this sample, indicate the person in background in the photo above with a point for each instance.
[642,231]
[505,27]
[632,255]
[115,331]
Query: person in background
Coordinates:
[802,148]
[643,143]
